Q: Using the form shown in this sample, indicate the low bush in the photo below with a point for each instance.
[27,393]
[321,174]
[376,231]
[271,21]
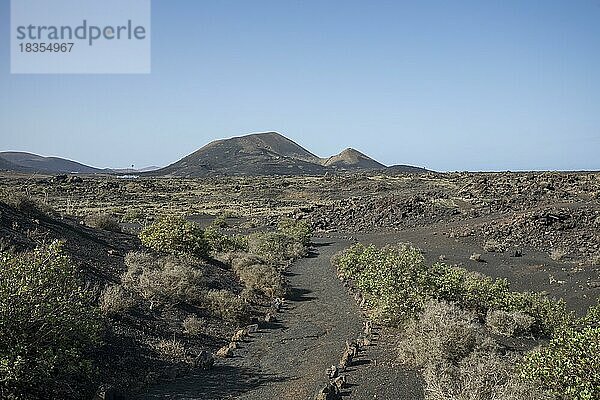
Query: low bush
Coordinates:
[103,221]
[219,242]
[391,278]
[29,205]
[458,361]
[171,349]
[193,325]
[116,300]
[48,326]
[569,365]
[275,247]
[397,283]
[262,279]
[507,323]
[300,231]
[168,279]
[175,235]
[226,305]
[134,215]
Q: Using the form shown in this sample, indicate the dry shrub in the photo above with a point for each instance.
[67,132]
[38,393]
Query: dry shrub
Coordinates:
[264,279]
[165,279]
[193,325]
[557,254]
[103,221]
[458,361]
[115,300]
[509,323]
[226,305]
[444,332]
[171,349]
[29,205]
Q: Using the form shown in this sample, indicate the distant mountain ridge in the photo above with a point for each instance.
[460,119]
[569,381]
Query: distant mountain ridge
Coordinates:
[28,162]
[269,153]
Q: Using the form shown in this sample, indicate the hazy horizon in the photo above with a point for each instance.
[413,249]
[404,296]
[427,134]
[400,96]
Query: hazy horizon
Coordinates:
[450,87]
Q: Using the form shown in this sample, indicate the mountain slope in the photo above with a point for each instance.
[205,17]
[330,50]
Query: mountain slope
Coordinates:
[6,165]
[268,153]
[256,154]
[35,163]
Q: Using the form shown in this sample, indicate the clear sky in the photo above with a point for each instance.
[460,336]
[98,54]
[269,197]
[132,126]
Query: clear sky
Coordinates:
[449,85]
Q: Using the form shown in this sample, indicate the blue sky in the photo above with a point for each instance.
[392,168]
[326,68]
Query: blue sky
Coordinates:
[462,85]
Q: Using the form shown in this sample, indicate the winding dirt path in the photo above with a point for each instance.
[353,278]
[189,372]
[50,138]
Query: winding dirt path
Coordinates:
[287,360]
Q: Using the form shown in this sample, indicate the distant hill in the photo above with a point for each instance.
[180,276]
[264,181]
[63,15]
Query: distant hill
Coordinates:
[6,165]
[352,160]
[268,153]
[22,161]
[406,169]
[257,154]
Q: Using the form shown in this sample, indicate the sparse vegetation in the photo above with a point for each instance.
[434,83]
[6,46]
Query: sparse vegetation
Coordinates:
[166,279]
[557,254]
[115,300]
[226,305]
[569,365]
[103,221]
[29,205]
[175,235]
[192,325]
[48,326]
[441,308]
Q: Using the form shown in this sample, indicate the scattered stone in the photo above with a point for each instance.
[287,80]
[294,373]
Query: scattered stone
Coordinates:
[329,392]
[226,351]
[239,335]
[340,382]
[476,257]
[332,372]
[270,318]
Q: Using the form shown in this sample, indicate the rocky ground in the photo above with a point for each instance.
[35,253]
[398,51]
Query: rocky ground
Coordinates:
[538,230]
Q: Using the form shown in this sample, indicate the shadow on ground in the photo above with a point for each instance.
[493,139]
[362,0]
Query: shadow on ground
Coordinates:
[221,382]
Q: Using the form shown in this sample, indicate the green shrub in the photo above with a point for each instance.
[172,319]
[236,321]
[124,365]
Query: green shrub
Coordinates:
[390,278]
[48,326]
[220,242]
[175,235]
[569,365]
[396,282]
[134,215]
[275,247]
[103,221]
[300,231]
